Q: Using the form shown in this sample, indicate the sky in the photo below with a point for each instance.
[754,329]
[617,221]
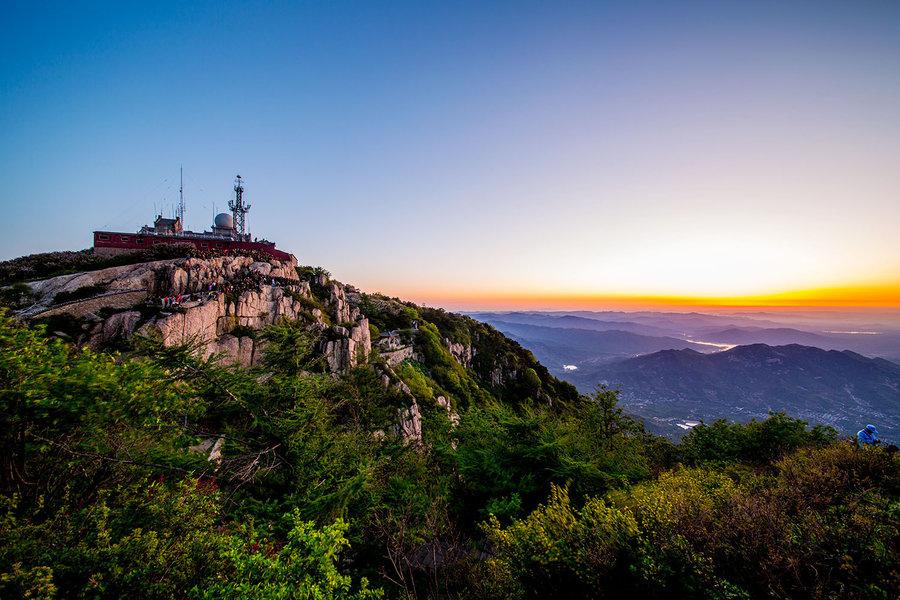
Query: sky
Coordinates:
[478,154]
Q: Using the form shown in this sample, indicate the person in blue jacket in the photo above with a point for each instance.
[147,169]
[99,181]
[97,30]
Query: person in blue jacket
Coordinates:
[867,436]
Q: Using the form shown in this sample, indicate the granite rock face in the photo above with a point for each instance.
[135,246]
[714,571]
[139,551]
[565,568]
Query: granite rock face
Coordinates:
[142,276]
[118,326]
[410,424]
[340,308]
[348,348]
[228,292]
[462,353]
[218,296]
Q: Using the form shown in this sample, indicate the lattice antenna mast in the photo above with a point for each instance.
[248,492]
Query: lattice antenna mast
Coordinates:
[180,213]
[238,209]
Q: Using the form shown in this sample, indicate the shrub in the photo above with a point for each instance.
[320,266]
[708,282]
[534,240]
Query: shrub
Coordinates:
[418,382]
[757,442]
[559,551]
[304,567]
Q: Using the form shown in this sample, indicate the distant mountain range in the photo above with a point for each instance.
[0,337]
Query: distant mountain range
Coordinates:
[677,368]
[870,339]
[556,347]
[574,322]
[773,336]
[839,388]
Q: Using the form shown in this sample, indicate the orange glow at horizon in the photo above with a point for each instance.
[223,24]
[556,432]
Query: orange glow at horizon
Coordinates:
[859,297]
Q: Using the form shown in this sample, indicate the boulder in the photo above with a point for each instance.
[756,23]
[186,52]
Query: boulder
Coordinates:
[444,403]
[340,308]
[410,424]
[118,326]
[262,268]
[462,353]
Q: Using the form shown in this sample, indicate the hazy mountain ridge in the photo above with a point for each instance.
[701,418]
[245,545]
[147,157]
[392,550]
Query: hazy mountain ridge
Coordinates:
[839,388]
[840,379]
[564,346]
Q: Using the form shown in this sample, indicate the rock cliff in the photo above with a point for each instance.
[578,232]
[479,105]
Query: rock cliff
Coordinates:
[218,302]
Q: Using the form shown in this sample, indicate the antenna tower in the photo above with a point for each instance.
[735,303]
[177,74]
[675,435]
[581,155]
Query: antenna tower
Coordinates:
[180,212]
[238,209]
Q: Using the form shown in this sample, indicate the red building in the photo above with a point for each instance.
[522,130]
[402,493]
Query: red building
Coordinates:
[113,242]
[225,236]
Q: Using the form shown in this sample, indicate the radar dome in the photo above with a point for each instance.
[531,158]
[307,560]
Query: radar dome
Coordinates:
[224,221]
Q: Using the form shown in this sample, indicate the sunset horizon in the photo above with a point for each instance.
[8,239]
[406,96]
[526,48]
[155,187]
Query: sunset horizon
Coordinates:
[884,298]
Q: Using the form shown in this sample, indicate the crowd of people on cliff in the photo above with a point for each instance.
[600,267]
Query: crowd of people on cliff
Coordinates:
[238,284]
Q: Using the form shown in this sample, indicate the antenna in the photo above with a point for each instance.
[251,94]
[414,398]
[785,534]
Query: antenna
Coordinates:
[180,213]
[238,209]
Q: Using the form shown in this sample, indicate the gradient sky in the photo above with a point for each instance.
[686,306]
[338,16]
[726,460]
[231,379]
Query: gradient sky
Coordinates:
[480,154]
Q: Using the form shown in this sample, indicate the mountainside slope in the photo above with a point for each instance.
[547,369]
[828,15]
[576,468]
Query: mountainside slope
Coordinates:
[222,305]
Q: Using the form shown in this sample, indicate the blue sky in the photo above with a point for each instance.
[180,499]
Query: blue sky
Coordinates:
[450,151]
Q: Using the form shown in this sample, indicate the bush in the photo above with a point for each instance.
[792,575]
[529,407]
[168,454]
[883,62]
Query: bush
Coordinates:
[825,524]
[418,382]
[559,551]
[758,442]
[304,567]
[16,296]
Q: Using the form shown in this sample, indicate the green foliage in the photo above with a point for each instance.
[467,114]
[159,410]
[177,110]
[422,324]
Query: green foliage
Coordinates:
[536,492]
[510,456]
[444,369]
[307,273]
[757,441]
[559,551]
[243,331]
[86,291]
[825,525]
[532,381]
[16,296]
[291,347]
[36,582]
[419,383]
[303,568]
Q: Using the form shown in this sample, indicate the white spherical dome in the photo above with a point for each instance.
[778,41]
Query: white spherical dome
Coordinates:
[224,221]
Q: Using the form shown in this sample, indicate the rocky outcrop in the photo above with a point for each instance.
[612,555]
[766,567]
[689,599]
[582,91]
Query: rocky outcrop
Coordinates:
[211,448]
[410,423]
[242,351]
[199,322]
[140,277]
[227,292]
[118,326]
[462,353]
[337,300]
[444,403]
[216,297]
[348,348]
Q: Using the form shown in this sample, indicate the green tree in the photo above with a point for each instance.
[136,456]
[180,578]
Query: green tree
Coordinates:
[304,568]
